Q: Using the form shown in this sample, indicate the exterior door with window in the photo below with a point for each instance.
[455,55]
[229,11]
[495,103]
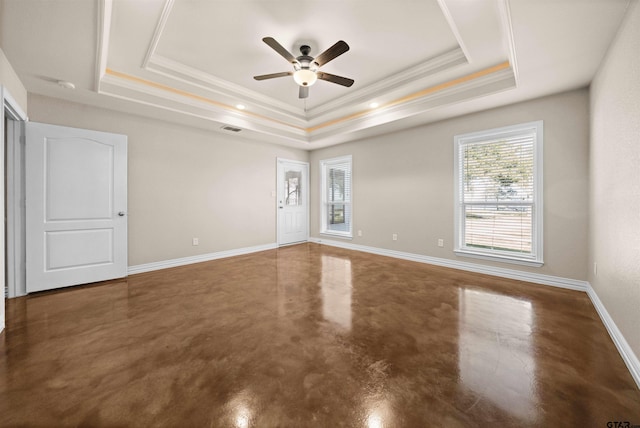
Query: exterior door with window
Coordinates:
[293,201]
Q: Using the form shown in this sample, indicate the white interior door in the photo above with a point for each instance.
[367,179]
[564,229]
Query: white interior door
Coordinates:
[293,201]
[76,204]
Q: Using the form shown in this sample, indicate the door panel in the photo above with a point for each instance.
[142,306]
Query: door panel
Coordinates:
[76,202]
[89,181]
[75,248]
[293,201]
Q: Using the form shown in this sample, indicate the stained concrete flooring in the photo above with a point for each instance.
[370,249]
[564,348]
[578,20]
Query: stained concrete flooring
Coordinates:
[308,336]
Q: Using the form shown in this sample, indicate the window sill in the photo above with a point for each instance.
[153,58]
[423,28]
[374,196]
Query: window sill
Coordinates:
[496,258]
[337,235]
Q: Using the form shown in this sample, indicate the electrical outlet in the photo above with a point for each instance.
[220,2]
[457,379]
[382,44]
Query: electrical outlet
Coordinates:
[440,242]
[196,241]
[359,233]
[394,236]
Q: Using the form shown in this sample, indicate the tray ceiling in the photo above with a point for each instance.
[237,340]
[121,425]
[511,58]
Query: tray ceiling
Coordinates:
[193,61]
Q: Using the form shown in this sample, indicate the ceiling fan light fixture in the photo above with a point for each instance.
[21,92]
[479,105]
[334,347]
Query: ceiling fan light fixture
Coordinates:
[305,77]
[305,68]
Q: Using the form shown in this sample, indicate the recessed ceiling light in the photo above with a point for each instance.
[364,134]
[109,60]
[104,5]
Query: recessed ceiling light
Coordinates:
[374,105]
[240,106]
[65,84]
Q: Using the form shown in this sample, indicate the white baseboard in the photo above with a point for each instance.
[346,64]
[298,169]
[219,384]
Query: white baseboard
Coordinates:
[148,267]
[627,354]
[555,281]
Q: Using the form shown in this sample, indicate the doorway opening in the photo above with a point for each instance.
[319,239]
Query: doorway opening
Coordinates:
[13,208]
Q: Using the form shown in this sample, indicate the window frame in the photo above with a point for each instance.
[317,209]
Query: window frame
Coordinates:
[324,203]
[536,257]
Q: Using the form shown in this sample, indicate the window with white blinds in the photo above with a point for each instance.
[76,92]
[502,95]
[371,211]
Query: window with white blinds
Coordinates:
[498,185]
[336,196]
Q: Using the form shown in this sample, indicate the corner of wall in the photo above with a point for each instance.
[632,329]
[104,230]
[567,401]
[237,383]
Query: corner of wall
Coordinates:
[613,255]
[11,82]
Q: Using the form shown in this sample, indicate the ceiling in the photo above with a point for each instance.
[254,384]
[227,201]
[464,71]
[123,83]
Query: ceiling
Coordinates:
[193,61]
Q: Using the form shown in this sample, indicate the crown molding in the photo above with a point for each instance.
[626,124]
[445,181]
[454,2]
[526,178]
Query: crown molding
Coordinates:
[465,87]
[505,16]
[453,27]
[339,106]
[157,33]
[203,80]
[154,94]
[104,8]
[475,85]
[164,66]
[415,90]
[427,68]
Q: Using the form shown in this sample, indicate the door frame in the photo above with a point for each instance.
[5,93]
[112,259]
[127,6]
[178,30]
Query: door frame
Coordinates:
[279,161]
[14,208]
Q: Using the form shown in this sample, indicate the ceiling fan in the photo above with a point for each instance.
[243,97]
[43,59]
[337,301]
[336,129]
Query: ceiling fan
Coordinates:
[305,68]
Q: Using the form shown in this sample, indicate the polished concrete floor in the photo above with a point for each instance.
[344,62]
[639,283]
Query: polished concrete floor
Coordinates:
[308,336]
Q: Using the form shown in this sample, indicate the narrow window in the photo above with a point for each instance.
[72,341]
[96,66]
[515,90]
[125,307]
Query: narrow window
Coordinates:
[498,200]
[335,212]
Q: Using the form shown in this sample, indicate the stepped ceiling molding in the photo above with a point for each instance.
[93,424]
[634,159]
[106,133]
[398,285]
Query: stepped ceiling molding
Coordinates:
[193,61]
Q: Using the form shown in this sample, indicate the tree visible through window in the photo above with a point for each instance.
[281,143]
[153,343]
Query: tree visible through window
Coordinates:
[336,193]
[336,196]
[498,193]
[292,188]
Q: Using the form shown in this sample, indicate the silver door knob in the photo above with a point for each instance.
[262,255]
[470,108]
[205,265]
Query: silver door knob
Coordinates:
[121,213]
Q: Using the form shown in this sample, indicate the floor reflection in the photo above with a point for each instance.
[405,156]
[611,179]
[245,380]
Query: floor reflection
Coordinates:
[336,289]
[240,410]
[496,359]
[379,414]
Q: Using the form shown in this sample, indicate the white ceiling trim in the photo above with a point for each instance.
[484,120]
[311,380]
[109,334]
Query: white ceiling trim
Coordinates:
[476,87]
[178,71]
[454,28]
[409,92]
[152,93]
[448,78]
[465,87]
[102,48]
[254,132]
[507,26]
[379,89]
[344,105]
[162,22]
[410,79]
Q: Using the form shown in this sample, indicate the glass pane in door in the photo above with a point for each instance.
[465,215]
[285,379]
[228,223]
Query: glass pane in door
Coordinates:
[292,189]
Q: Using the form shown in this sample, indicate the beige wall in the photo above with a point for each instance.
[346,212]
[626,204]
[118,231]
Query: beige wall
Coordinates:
[403,183]
[184,182]
[614,228]
[10,81]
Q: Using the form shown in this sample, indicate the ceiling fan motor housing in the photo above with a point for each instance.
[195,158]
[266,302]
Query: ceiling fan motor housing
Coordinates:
[305,74]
